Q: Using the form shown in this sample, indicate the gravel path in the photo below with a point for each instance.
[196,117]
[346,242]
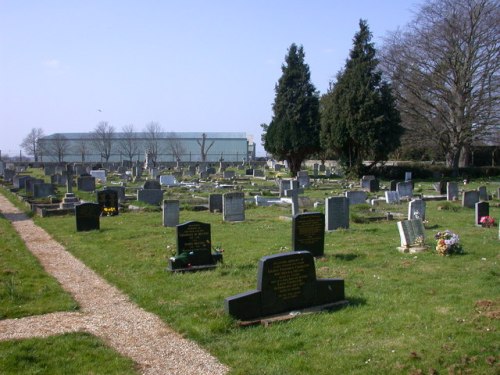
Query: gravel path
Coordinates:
[105,312]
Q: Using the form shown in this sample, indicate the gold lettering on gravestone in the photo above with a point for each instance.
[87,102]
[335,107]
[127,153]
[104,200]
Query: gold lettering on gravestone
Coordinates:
[195,238]
[288,277]
[310,231]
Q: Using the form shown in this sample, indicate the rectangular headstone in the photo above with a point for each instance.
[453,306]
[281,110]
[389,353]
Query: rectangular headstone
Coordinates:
[410,231]
[451,191]
[215,202]
[107,200]
[470,198]
[416,209]
[85,183]
[356,197]
[392,185]
[285,282]
[150,196]
[228,174]
[336,213]
[49,170]
[168,180]
[170,213]
[481,209]
[392,197]
[258,173]
[152,184]
[87,216]
[483,193]
[303,179]
[120,190]
[407,176]
[43,190]
[405,189]
[233,206]
[99,174]
[308,233]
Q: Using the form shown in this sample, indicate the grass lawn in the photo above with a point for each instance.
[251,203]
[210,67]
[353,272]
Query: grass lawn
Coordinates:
[409,313]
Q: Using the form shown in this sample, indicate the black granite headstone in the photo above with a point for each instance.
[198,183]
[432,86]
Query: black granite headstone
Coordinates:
[308,233]
[87,217]
[285,282]
[107,200]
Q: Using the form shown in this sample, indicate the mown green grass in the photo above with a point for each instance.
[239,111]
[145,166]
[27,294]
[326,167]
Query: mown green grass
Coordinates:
[408,313]
[77,353]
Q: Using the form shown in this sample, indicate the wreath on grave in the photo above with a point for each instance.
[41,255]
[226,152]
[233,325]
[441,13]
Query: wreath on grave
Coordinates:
[448,243]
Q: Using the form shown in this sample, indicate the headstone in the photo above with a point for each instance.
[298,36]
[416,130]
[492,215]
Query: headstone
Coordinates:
[412,234]
[336,213]
[470,198]
[19,181]
[215,202]
[258,173]
[233,206]
[107,200]
[451,191]
[285,282]
[287,184]
[303,179]
[8,174]
[416,209]
[228,174]
[42,190]
[170,213]
[194,248]
[356,197]
[392,185]
[373,186]
[407,176]
[405,189]
[30,183]
[153,172]
[168,180]
[483,193]
[249,172]
[58,179]
[49,170]
[392,197]
[99,174]
[308,233]
[120,190]
[87,216]
[150,196]
[211,170]
[315,170]
[85,183]
[151,184]
[481,209]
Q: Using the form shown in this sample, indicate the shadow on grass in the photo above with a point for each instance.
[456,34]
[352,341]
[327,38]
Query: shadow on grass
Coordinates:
[356,301]
[346,257]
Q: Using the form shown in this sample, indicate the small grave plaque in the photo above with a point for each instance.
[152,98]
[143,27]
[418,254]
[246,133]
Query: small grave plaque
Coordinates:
[308,233]
[107,200]
[285,282]
[194,248]
[87,216]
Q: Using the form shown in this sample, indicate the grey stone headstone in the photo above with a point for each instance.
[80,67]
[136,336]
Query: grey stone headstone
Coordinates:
[120,190]
[19,181]
[407,176]
[8,174]
[30,183]
[150,196]
[405,189]
[49,170]
[410,231]
[215,202]
[303,179]
[168,180]
[308,233]
[152,184]
[392,197]
[451,191]
[416,209]
[170,213]
[258,173]
[285,282]
[356,197]
[233,206]
[481,209]
[336,213]
[470,198]
[228,174]
[43,190]
[85,183]
[99,174]
[483,193]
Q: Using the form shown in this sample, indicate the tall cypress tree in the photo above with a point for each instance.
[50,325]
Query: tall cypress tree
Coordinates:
[293,134]
[358,117]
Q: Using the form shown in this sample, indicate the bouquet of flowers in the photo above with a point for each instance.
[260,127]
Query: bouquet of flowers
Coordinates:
[448,243]
[487,221]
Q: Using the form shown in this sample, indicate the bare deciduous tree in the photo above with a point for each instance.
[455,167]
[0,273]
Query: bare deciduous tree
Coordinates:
[58,146]
[203,147]
[30,144]
[175,146]
[128,142]
[82,147]
[103,138]
[153,132]
[444,69]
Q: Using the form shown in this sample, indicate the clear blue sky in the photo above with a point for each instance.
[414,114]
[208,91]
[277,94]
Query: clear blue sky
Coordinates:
[189,65]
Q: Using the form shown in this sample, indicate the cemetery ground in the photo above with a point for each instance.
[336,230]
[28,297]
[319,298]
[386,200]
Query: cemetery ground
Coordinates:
[408,313]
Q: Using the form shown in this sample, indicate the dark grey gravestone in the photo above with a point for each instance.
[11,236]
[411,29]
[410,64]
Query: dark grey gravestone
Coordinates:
[470,198]
[303,179]
[451,191]
[336,213]
[483,193]
[170,213]
[258,173]
[194,248]
[308,233]
[391,197]
[373,185]
[30,183]
[233,207]
[85,183]
[8,174]
[150,196]
[392,185]
[49,170]
[356,197]
[19,181]
[405,189]
[215,202]
[249,172]
[120,190]
[152,184]
[481,209]
[58,179]
[416,209]
[285,282]
[228,174]
[87,216]
[107,200]
[43,190]
[211,170]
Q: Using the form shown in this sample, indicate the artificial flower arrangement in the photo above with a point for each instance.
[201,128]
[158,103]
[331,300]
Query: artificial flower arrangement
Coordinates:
[487,221]
[448,243]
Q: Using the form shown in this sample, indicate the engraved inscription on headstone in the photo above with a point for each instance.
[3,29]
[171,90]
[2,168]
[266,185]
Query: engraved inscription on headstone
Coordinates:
[87,216]
[308,233]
